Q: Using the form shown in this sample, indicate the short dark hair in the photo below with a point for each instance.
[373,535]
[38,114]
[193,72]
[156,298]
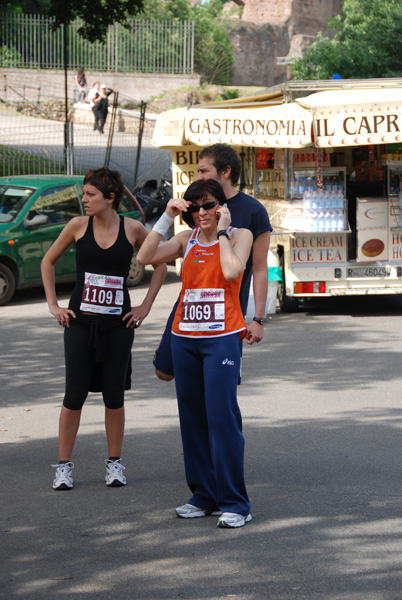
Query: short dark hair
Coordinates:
[198,190]
[108,182]
[223,156]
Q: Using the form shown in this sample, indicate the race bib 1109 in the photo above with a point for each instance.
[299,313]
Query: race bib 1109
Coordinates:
[102,294]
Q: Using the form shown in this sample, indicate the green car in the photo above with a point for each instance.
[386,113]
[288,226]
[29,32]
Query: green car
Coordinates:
[33,211]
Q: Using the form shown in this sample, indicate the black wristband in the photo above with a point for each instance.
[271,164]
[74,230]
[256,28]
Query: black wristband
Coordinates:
[224,232]
[259,320]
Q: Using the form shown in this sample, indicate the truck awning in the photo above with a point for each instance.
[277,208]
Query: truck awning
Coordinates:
[355,117]
[279,126]
[169,128]
[331,118]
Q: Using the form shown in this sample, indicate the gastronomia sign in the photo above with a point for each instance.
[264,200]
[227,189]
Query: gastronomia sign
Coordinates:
[283,126]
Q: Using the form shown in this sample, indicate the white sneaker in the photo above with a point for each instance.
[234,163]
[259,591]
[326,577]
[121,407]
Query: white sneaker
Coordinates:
[228,519]
[114,473]
[63,479]
[188,511]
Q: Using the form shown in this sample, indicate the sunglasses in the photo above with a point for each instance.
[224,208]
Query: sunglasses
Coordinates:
[194,208]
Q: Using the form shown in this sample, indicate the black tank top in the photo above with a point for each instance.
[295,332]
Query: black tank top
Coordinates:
[91,258]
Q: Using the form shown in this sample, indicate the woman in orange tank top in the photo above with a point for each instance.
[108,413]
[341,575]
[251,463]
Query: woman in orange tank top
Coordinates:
[206,346]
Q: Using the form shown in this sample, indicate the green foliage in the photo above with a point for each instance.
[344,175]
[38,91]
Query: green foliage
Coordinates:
[28,6]
[230,94]
[213,56]
[16,162]
[9,57]
[367,43]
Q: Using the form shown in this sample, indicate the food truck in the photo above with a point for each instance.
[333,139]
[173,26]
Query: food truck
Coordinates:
[325,159]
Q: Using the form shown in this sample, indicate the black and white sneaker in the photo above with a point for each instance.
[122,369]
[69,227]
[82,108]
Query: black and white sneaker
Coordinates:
[231,520]
[63,479]
[114,473]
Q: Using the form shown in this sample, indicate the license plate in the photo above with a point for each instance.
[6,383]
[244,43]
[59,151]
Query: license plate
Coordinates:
[368,272]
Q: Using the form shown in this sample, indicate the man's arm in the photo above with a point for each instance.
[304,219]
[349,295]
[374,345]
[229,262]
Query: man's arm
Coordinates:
[260,286]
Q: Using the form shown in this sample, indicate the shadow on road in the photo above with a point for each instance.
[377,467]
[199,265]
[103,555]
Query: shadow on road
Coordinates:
[326,518]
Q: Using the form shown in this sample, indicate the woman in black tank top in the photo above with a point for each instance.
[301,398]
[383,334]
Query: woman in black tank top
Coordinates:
[99,322]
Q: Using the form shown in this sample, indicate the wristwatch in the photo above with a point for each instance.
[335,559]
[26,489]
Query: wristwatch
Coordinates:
[260,321]
[224,232]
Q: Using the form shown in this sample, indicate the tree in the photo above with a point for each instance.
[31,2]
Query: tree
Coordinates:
[367,43]
[213,55]
[96,17]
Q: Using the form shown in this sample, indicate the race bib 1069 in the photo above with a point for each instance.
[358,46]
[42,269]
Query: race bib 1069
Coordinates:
[102,294]
[203,310]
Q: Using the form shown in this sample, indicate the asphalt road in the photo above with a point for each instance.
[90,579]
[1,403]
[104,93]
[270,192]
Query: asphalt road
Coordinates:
[321,403]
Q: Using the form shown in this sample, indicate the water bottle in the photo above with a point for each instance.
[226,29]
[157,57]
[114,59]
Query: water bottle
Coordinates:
[334,220]
[321,216]
[307,210]
[314,204]
[314,221]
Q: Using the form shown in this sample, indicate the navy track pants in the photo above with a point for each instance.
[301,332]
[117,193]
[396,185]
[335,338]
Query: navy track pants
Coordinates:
[206,375]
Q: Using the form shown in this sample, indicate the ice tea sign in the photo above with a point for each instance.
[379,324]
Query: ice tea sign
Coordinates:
[318,248]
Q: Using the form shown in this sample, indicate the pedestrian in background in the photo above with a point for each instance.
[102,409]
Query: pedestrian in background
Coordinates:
[101,107]
[92,94]
[80,84]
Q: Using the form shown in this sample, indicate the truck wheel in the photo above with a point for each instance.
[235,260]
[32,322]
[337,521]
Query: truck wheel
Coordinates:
[7,284]
[136,272]
[287,303]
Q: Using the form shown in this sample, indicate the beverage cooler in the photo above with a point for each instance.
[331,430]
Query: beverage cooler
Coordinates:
[322,209]
[304,180]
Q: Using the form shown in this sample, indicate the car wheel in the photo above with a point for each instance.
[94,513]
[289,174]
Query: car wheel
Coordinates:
[287,303]
[7,284]
[136,273]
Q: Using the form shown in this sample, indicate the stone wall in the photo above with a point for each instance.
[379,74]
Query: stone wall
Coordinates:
[280,11]
[43,84]
[267,11]
[269,29]
[255,50]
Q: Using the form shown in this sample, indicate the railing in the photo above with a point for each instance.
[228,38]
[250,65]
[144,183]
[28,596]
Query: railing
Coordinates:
[142,46]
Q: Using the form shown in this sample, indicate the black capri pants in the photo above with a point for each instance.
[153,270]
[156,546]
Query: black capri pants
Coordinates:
[98,359]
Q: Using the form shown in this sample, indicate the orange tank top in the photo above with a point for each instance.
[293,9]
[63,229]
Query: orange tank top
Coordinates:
[209,304]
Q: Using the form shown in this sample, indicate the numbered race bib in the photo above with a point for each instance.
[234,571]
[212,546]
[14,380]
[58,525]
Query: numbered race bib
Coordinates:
[203,310]
[102,294]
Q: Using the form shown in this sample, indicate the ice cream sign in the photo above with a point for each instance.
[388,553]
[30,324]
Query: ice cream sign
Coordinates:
[318,248]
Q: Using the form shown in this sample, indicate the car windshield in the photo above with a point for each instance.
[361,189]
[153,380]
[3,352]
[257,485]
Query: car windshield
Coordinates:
[12,200]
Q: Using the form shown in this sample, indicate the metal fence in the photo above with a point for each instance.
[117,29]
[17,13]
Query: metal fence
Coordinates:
[142,46]
[31,145]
